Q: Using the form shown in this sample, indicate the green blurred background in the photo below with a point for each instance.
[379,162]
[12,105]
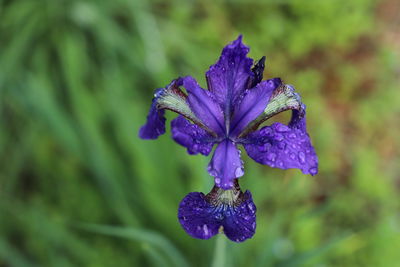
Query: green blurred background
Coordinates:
[79,188]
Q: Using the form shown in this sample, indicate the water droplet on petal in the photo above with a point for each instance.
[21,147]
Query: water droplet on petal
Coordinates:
[313,171]
[265,147]
[217,181]
[292,156]
[218,216]
[271,156]
[292,135]
[279,137]
[281,145]
[205,230]
[251,207]
[280,163]
[239,171]
[302,157]
[282,128]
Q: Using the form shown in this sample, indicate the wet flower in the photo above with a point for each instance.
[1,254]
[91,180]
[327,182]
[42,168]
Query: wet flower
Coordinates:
[230,211]
[229,114]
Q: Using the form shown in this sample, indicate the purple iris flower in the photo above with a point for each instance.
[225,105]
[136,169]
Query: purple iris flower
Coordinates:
[229,113]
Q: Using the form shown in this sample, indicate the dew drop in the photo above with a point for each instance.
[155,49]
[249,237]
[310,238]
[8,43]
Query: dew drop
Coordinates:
[280,163]
[282,128]
[265,147]
[251,207]
[313,171]
[292,156]
[239,172]
[302,157]
[281,145]
[217,181]
[218,216]
[279,137]
[205,230]
[271,156]
[292,135]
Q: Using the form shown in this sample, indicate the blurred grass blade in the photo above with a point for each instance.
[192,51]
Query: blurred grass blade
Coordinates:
[10,255]
[141,235]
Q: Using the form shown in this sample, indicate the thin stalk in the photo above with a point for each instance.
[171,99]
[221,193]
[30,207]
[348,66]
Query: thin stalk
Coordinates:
[219,251]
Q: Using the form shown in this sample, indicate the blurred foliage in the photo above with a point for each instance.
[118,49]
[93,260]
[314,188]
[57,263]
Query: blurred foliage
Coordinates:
[78,188]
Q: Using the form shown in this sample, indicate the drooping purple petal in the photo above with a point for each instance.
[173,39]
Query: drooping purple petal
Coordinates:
[240,222]
[191,136]
[202,219]
[284,146]
[226,164]
[172,98]
[155,124]
[229,77]
[204,106]
[197,217]
[252,105]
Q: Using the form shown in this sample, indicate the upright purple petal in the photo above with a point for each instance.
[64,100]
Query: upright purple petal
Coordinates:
[240,221]
[252,105]
[284,146]
[226,164]
[229,77]
[191,136]
[155,124]
[203,106]
[283,97]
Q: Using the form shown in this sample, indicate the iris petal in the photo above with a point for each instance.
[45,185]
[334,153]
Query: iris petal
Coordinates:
[229,77]
[204,106]
[284,146]
[252,105]
[226,164]
[172,98]
[197,216]
[240,222]
[191,136]
[282,98]
[155,124]
[202,219]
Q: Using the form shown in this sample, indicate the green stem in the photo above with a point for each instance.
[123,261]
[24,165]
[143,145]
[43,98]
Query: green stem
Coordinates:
[219,251]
